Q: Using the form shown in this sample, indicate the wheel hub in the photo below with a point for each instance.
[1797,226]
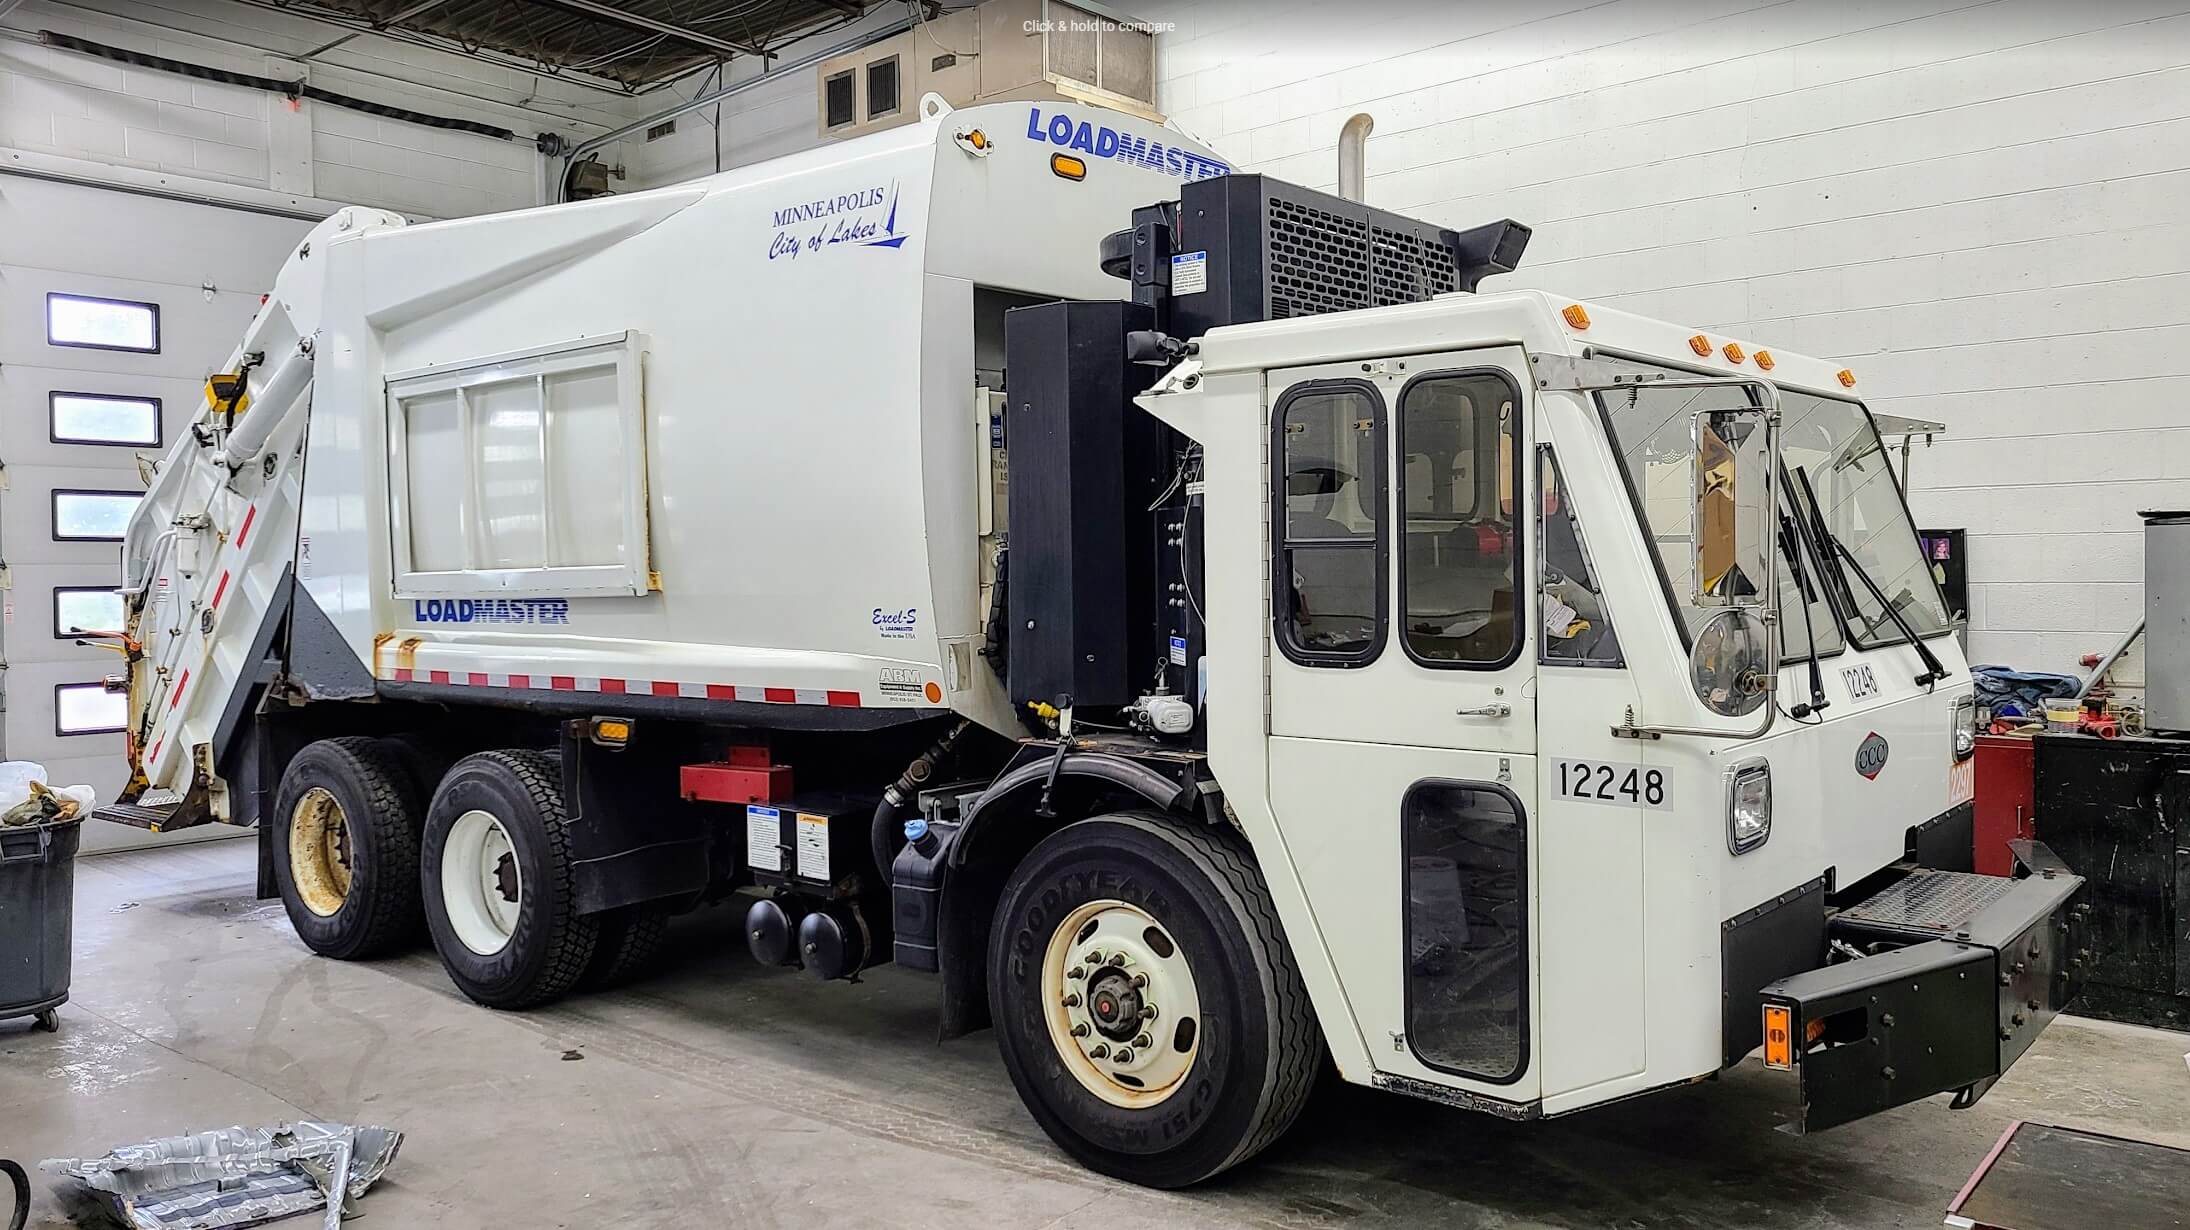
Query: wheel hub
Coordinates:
[1122,1005]
[319,852]
[482,885]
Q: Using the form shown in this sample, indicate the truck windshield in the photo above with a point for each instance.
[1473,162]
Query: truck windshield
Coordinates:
[1836,444]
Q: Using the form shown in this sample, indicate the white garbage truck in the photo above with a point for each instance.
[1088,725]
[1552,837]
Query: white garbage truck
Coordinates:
[1176,608]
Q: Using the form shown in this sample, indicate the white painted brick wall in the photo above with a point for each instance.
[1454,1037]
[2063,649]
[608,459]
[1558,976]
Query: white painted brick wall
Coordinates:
[56,102]
[1983,208]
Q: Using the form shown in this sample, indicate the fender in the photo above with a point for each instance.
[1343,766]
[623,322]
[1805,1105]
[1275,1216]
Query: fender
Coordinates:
[999,828]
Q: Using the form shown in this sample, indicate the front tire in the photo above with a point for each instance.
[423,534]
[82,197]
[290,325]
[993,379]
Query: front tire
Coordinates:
[496,876]
[345,842]
[1146,1004]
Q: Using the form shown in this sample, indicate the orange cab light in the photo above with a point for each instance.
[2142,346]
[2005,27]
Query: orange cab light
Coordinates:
[977,139]
[1779,1038]
[1700,344]
[1068,167]
[1847,378]
[1733,353]
[1764,359]
[1575,316]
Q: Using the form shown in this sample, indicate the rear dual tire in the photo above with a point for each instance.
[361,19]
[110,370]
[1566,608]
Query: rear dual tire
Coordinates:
[345,848]
[500,899]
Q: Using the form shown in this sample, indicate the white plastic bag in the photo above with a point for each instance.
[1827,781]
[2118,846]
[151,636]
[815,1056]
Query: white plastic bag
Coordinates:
[15,779]
[86,798]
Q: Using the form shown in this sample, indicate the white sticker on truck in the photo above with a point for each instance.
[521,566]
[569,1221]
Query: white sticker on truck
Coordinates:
[1189,273]
[813,846]
[1626,785]
[763,837]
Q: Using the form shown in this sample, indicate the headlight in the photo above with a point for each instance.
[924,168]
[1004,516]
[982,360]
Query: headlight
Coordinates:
[1748,805]
[1965,728]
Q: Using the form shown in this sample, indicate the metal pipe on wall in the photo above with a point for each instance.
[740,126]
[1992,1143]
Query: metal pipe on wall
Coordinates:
[710,98]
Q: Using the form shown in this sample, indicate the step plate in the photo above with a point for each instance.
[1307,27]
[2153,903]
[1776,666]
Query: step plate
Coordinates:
[153,819]
[1926,904]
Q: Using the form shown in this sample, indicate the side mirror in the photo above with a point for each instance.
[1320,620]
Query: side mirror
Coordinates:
[1733,662]
[1731,508]
[1735,659]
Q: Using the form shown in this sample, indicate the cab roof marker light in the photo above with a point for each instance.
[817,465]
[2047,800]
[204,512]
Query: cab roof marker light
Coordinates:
[1847,378]
[1701,345]
[1574,316]
[1764,360]
[1733,352]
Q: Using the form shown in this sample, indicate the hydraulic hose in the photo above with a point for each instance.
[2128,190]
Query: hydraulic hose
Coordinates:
[887,836]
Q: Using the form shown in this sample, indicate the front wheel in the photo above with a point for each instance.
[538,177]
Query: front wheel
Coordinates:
[1146,1004]
[496,875]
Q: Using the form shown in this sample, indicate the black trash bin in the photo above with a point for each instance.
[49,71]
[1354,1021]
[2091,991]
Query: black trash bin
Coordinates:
[37,905]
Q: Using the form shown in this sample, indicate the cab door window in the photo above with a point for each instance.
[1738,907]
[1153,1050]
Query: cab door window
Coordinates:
[1459,487]
[1577,623]
[1329,577]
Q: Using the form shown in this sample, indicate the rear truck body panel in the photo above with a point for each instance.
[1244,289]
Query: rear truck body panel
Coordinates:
[799,345]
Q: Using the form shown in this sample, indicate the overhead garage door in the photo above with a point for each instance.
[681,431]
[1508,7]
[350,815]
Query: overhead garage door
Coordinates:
[114,307]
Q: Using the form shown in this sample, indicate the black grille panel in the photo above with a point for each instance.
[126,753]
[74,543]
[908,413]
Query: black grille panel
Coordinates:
[1410,268]
[1319,261]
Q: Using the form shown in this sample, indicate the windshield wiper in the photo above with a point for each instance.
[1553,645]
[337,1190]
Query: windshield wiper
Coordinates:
[1790,535]
[1934,670]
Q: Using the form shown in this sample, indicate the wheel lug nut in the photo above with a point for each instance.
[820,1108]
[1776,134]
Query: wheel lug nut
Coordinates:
[1075,972]
[1140,980]
[1144,1042]
[1125,1055]
[1101,1051]
[1072,1001]
[1148,1012]
[1094,958]
[1080,1030]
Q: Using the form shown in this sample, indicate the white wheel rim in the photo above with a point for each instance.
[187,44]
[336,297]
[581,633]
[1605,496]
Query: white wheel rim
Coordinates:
[482,888]
[1121,1004]
[319,852]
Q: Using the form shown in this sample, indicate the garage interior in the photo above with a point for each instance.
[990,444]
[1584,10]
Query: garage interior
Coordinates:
[1977,208]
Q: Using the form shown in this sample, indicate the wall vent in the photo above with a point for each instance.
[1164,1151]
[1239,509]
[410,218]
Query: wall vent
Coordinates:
[663,129]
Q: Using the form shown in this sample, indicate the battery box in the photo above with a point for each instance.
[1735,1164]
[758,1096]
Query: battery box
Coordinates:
[812,843]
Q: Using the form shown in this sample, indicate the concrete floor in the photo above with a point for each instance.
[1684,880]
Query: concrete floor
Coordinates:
[720,1094]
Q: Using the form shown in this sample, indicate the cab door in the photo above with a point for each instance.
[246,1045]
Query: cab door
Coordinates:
[1401,708]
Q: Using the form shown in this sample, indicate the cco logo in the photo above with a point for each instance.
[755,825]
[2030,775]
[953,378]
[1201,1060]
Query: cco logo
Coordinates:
[1870,755]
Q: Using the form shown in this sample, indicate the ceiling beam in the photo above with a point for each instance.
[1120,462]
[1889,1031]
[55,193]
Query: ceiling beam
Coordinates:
[850,8]
[393,19]
[611,13]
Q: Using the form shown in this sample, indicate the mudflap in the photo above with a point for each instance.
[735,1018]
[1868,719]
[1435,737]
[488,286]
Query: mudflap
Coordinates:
[1984,965]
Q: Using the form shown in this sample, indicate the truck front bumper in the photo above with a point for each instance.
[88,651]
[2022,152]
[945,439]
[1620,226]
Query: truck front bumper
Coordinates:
[1968,970]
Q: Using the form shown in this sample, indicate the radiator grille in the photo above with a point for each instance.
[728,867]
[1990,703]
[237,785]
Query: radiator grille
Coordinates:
[1322,261]
[1319,261]
[1410,268]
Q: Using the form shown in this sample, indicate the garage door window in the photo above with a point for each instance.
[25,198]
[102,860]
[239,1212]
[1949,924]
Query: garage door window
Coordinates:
[103,418]
[88,709]
[92,516]
[78,609]
[102,324]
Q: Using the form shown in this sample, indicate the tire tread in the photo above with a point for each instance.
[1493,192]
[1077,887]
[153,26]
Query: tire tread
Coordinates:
[1297,1043]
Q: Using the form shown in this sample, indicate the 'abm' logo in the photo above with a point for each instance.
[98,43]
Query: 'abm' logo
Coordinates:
[1099,141]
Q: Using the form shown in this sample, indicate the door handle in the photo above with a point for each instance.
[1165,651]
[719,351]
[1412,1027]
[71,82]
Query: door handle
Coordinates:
[1489,711]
